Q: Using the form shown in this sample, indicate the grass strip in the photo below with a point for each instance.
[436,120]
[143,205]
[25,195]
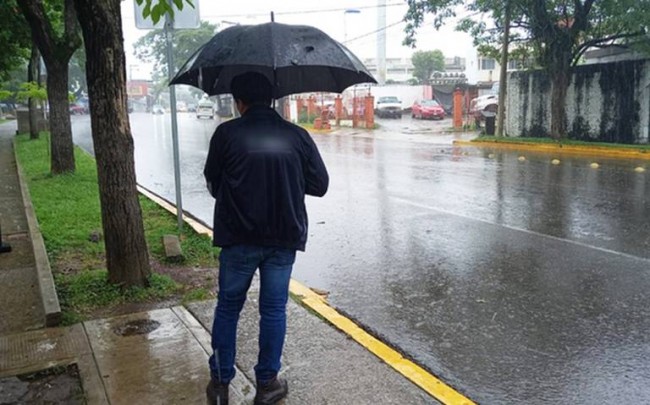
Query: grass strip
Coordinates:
[69,214]
[568,142]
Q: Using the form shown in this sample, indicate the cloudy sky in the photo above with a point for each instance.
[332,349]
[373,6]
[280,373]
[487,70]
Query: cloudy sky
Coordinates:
[329,16]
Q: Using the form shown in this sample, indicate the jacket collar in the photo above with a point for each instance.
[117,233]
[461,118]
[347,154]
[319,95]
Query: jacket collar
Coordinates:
[258,109]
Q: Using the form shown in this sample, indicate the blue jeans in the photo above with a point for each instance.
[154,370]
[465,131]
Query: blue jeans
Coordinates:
[237,267]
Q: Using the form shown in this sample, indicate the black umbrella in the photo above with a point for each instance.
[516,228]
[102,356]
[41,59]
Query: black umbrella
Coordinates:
[295,58]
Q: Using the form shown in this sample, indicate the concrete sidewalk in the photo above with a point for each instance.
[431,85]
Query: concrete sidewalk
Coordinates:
[20,302]
[160,357]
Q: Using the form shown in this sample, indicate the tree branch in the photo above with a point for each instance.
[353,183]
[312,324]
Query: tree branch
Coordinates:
[72,39]
[52,48]
[599,41]
[40,25]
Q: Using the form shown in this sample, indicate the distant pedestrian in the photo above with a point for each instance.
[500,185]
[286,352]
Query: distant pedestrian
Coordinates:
[259,168]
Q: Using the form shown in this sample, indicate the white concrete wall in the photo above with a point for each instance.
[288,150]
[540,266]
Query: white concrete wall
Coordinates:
[595,110]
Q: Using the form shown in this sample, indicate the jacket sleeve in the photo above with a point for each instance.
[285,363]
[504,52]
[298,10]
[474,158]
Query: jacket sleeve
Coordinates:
[214,163]
[316,177]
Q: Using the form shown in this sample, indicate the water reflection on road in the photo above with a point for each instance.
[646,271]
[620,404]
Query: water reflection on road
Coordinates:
[516,280]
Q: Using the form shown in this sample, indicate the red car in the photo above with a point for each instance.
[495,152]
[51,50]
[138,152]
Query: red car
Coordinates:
[77,109]
[427,109]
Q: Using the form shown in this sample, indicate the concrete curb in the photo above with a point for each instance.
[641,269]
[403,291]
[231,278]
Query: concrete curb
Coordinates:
[49,298]
[602,151]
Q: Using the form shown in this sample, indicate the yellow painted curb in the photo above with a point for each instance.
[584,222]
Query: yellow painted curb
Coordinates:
[196,225]
[419,376]
[567,149]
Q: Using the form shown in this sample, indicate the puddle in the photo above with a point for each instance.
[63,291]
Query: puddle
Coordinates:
[137,327]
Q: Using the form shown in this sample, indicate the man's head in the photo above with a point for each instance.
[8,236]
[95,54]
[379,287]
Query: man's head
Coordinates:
[251,88]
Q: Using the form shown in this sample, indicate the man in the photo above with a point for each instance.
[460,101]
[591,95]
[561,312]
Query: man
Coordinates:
[259,168]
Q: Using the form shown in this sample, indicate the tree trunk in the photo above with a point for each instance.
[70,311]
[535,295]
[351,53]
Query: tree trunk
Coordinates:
[560,70]
[560,82]
[60,128]
[33,76]
[126,249]
[503,74]
[56,51]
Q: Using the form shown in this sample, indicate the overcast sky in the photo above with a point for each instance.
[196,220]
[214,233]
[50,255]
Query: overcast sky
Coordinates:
[328,16]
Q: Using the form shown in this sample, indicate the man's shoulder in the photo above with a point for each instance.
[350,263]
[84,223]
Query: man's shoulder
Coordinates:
[230,124]
[291,127]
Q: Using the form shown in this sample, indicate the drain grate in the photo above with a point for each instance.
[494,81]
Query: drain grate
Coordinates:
[137,327]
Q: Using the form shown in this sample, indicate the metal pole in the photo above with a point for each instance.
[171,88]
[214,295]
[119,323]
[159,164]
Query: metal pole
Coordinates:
[381,42]
[169,30]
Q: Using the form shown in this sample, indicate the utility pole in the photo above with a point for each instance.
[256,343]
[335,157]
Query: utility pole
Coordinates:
[381,42]
[501,112]
[169,33]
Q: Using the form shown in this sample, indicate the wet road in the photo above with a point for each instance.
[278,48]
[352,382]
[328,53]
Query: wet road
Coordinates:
[516,281]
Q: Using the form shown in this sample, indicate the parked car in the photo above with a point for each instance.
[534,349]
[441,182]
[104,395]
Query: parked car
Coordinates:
[424,109]
[157,109]
[205,109]
[78,109]
[388,107]
[484,104]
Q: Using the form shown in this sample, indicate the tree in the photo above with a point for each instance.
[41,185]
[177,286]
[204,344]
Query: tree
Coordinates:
[127,256]
[55,31]
[152,48]
[427,62]
[34,76]
[556,32]
[34,94]
[15,38]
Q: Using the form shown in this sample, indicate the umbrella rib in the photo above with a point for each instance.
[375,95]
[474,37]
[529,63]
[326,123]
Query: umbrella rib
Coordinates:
[275,62]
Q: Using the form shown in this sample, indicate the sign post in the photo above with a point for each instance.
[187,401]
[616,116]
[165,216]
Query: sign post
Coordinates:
[187,18]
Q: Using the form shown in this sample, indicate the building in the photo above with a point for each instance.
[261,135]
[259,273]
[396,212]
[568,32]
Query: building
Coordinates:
[400,70]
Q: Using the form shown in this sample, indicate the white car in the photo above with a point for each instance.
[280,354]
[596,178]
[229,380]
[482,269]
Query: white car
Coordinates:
[388,107]
[488,104]
[205,109]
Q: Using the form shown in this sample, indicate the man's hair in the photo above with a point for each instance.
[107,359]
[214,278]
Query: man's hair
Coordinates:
[252,88]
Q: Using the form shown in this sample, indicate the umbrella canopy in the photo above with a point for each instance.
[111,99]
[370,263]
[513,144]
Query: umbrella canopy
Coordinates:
[295,59]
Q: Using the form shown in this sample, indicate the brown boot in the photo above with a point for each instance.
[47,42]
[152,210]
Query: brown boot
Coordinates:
[217,393]
[272,392]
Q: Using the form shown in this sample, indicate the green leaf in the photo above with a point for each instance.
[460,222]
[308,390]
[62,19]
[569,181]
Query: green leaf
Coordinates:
[147,11]
[179,4]
[156,13]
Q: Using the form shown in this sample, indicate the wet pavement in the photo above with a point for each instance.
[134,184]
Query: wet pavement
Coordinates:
[514,280]
[24,311]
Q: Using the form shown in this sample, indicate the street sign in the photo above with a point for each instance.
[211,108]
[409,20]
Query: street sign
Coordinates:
[186,18]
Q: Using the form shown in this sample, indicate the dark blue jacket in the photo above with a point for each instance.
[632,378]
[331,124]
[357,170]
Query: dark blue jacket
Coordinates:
[259,169]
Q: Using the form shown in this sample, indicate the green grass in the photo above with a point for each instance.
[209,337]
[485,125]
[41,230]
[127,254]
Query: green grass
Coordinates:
[85,291]
[68,211]
[198,294]
[550,141]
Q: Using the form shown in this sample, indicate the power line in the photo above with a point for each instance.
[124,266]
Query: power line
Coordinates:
[375,31]
[310,11]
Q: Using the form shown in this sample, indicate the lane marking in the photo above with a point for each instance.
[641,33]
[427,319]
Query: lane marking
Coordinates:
[514,228]
[416,374]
